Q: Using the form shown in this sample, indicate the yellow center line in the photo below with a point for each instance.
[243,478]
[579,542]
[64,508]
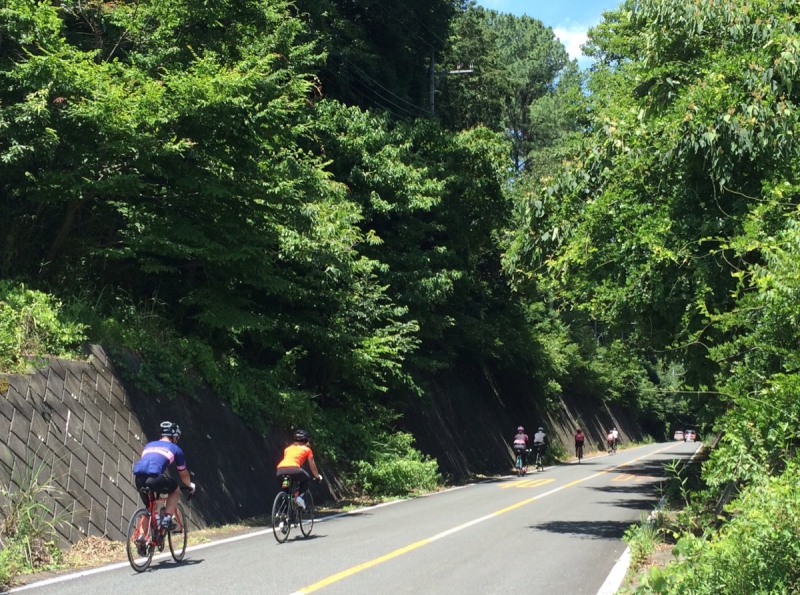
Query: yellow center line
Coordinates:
[404,550]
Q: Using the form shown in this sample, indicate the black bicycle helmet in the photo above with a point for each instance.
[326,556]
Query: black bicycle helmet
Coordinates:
[169,428]
[300,436]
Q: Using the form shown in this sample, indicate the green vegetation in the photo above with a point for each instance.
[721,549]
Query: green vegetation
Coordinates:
[256,197]
[33,324]
[28,527]
[396,468]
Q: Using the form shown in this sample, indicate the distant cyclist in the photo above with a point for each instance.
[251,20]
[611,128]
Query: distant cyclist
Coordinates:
[611,438]
[294,456]
[149,471]
[540,441]
[579,440]
[521,445]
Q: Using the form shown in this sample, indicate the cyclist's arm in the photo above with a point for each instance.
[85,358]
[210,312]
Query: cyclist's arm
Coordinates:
[313,466]
[185,477]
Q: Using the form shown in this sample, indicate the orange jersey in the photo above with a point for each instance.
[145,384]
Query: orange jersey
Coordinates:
[295,455]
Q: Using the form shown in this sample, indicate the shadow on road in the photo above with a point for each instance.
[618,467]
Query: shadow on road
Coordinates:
[590,529]
[171,564]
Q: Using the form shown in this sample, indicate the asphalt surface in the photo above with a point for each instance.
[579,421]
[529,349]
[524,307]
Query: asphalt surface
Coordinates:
[555,532]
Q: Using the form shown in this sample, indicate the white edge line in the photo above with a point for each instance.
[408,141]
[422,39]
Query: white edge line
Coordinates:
[200,546]
[617,574]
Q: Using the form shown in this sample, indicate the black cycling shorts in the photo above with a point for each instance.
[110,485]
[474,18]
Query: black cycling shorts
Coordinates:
[161,484]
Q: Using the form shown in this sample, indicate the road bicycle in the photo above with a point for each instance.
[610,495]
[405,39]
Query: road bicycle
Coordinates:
[520,464]
[286,513]
[146,533]
[579,452]
[612,447]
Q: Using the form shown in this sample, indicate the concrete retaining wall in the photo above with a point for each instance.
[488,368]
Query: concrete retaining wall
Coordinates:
[79,423]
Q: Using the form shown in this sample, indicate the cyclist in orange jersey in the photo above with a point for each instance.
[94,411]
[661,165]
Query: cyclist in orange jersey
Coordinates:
[294,456]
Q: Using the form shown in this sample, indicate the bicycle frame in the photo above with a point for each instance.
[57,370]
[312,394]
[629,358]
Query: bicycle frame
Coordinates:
[156,532]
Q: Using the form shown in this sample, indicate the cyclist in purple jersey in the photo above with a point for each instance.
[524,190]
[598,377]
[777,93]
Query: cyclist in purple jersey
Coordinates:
[150,470]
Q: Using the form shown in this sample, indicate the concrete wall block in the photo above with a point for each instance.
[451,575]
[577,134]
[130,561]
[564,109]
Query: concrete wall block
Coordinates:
[39,428]
[119,396]
[121,430]
[76,408]
[103,387]
[135,428]
[107,421]
[37,385]
[80,523]
[97,495]
[125,465]
[136,444]
[114,491]
[5,428]
[94,449]
[91,428]
[6,408]
[107,445]
[21,425]
[20,405]
[17,446]
[114,519]
[60,466]
[57,370]
[77,464]
[75,427]
[99,355]
[52,408]
[72,385]
[88,385]
[94,470]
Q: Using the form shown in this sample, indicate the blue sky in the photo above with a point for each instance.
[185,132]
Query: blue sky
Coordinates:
[570,19]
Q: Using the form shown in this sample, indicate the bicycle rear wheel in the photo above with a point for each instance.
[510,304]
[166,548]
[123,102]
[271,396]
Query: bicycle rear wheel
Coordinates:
[306,516]
[178,537]
[539,462]
[281,521]
[137,543]
[518,464]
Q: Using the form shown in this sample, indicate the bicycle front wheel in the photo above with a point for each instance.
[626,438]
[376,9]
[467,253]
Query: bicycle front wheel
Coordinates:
[178,537]
[281,521]
[307,516]
[137,543]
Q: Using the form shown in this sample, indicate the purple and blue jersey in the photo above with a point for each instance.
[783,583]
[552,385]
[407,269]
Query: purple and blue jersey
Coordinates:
[159,455]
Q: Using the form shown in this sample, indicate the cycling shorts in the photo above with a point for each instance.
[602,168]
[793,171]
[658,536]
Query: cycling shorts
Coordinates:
[160,484]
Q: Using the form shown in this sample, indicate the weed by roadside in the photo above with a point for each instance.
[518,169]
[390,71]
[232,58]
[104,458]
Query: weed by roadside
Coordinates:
[28,527]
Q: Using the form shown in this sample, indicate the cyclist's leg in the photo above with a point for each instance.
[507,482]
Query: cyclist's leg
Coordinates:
[298,475]
[164,484]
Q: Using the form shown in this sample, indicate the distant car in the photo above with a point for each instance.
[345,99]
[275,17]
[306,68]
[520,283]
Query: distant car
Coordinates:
[678,435]
[689,435]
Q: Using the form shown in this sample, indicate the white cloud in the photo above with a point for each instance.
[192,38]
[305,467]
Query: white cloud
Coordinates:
[573,36]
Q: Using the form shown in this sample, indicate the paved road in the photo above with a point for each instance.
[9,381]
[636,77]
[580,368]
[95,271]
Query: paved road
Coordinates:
[556,532]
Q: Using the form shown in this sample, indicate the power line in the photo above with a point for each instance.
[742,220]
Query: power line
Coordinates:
[406,101]
[372,99]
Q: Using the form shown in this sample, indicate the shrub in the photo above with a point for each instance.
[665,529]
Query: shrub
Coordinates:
[33,323]
[28,526]
[396,468]
[756,553]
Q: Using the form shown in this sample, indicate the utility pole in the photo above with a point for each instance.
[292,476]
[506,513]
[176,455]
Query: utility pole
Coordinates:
[432,74]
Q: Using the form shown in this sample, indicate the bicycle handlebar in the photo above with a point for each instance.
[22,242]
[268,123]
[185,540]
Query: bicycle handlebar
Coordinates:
[188,491]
